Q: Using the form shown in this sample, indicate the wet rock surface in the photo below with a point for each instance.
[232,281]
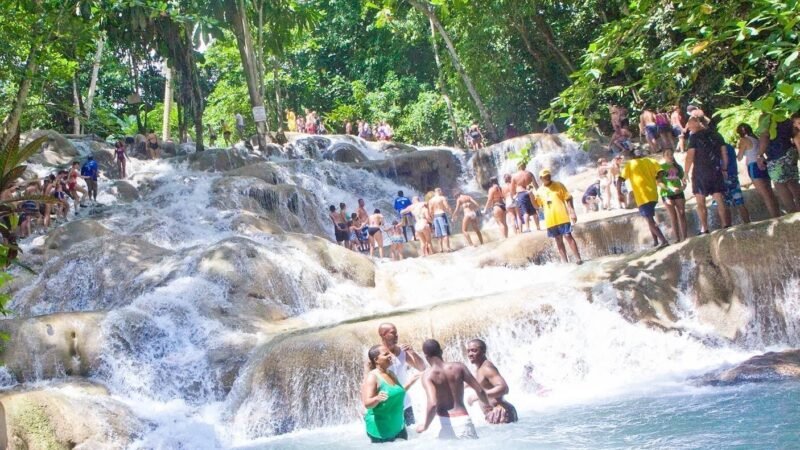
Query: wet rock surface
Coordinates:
[769,367]
[422,170]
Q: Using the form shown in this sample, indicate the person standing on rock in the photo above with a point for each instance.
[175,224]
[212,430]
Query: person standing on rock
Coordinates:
[733,190]
[363,219]
[90,172]
[475,136]
[152,144]
[471,219]
[422,224]
[444,388]
[643,174]
[383,395]
[707,164]
[441,224]
[780,155]
[406,220]
[76,192]
[672,185]
[240,125]
[511,205]
[756,167]
[375,231]
[519,186]
[493,383]
[495,201]
[404,357]
[120,158]
[226,132]
[559,214]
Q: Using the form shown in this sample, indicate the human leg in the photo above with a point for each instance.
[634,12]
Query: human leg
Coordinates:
[702,212]
[562,251]
[680,211]
[722,209]
[764,189]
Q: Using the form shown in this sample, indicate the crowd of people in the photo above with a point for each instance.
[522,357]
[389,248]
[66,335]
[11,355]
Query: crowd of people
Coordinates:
[61,188]
[392,368]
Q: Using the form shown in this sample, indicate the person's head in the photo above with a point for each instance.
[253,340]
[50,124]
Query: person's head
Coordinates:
[361,203]
[416,199]
[744,129]
[400,194]
[546,177]
[51,177]
[695,124]
[354,216]
[152,131]
[507,178]
[432,349]
[476,351]
[332,208]
[602,161]
[437,191]
[119,144]
[521,165]
[796,120]
[395,223]
[377,211]
[388,334]
[75,164]
[90,158]
[342,206]
[691,108]
[676,108]
[379,356]
[493,181]
[669,155]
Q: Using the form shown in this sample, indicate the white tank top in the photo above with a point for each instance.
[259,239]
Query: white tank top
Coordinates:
[750,156]
[399,368]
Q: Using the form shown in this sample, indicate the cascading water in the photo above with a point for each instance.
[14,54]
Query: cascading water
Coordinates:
[232,337]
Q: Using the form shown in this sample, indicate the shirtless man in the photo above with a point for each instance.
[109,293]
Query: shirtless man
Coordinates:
[152,144]
[648,128]
[441,224]
[404,358]
[75,191]
[493,383]
[511,205]
[375,232]
[495,200]
[519,186]
[470,208]
[363,217]
[444,388]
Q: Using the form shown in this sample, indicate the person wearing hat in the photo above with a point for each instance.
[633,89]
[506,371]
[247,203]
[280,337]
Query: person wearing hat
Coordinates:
[559,214]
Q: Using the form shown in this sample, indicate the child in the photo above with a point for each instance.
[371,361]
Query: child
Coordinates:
[396,239]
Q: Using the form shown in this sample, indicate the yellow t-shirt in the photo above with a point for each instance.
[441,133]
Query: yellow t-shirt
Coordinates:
[643,175]
[553,199]
[291,121]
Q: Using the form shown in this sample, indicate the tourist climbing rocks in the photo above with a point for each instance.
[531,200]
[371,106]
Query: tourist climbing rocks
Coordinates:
[559,214]
[404,358]
[121,159]
[756,167]
[444,388]
[422,224]
[672,185]
[512,211]
[494,200]
[492,382]
[74,190]
[643,174]
[396,239]
[226,132]
[733,190]
[152,144]
[475,136]
[406,220]
[521,181]
[648,127]
[375,230]
[90,172]
[471,220]
[441,223]
[706,161]
[781,158]
[383,396]
[240,125]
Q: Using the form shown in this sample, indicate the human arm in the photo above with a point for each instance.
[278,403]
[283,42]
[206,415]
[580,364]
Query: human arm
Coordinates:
[412,357]
[489,199]
[455,211]
[763,143]
[571,209]
[430,408]
[370,396]
[740,149]
[724,154]
[618,184]
[499,385]
[689,162]
[470,381]
[413,379]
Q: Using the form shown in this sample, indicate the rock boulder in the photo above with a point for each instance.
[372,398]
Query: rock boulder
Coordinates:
[422,170]
[772,366]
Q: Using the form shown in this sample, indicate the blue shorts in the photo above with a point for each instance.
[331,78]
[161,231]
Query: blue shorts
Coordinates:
[441,226]
[648,209]
[733,192]
[756,173]
[651,131]
[559,230]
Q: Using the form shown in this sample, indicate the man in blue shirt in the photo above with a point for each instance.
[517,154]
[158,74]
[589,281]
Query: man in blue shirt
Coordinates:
[406,220]
[89,172]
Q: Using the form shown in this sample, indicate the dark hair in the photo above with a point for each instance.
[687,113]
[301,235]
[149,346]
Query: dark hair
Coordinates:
[373,354]
[332,208]
[342,205]
[744,129]
[431,348]
[75,162]
[377,211]
[353,215]
[493,180]
[129,140]
[400,193]
[481,344]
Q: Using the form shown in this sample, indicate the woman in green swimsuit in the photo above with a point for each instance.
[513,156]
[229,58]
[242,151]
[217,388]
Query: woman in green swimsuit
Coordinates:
[383,397]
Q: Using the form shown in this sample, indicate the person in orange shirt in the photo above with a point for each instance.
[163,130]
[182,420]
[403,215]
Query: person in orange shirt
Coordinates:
[644,173]
[559,214]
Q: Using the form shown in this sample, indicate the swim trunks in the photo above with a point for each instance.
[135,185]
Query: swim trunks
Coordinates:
[784,169]
[733,192]
[711,183]
[559,230]
[441,225]
[648,209]
[524,204]
[651,131]
[757,173]
[458,427]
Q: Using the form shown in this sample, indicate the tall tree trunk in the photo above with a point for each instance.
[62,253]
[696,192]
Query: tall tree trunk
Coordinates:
[278,97]
[76,106]
[427,9]
[241,30]
[443,88]
[137,106]
[11,122]
[167,101]
[95,73]
[547,34]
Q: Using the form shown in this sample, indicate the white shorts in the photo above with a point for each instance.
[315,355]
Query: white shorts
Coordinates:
[459,427]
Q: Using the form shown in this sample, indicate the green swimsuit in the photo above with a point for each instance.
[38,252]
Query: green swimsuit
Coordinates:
[385,420]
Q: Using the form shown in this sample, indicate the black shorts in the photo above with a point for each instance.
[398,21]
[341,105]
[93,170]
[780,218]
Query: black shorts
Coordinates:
[679,196]
[401,435]
[408,415]
[153,145]
[708,184]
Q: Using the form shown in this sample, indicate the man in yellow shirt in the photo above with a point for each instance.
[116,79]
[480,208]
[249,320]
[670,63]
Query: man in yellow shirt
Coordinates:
[291,120]
[559,214]
[643,173]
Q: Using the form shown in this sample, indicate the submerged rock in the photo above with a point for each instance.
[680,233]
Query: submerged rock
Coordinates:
[772,366]
[219,160]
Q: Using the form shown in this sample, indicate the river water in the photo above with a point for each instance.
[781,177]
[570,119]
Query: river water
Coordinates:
[581,376]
